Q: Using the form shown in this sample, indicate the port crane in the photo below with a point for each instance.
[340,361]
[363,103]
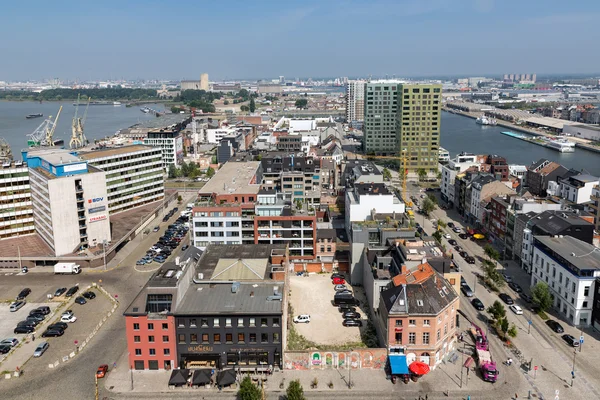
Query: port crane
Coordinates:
[78,138]
[43,135]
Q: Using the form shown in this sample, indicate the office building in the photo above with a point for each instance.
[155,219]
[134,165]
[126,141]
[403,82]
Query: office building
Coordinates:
[170,141]
[380,136]
[299,176]
[69,199]
[569,267]
[16,213]
[355,101]
[134,175]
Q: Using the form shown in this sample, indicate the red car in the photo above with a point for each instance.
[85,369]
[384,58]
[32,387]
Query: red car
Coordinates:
[102,370]
[338,281]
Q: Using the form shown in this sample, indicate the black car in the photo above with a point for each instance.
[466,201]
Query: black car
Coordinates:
[53,333]
[464,254]
[478,304]
[60,291]
[80,300]
[24,329]
[555,326]
[346,308]
[470,260]
[36,317]
[571,341]
[352,322]
[526,298]
[185,247]
[450,224]
[458,249]
[351,315]
[453,242]
[463,236]
[72,291]
[45,310]
[89,295]
[506,298]
[5,348]
[24,293]
[59,325]
[515,287]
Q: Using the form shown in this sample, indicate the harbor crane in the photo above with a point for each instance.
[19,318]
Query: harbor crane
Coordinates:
[78,138]
[43,135]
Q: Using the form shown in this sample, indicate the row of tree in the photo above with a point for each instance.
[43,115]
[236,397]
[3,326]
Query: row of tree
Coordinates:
[113,93]
[188,170]
[249,391]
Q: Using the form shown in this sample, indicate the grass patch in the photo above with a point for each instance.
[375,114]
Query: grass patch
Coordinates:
[543,315]
[298,342]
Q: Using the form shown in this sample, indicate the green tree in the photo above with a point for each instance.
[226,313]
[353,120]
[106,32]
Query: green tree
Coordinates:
[387,175]
[301,103]
[542,296]
[252,105]
[441,223]
[174,172]
[244,108]
[512,331]
[184,169]
[422,174]
[437,235]
[210,172]
[179,199]
[432,197]
[439,176]
[497,311]
[491,253]
[225,102]
[492,274]
[504,325]
[299,204]
[295,391]
[248,390]
[175,109]
[428,206]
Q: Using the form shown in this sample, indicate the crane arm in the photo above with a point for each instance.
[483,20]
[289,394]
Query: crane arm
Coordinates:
[86,110]
[51,133]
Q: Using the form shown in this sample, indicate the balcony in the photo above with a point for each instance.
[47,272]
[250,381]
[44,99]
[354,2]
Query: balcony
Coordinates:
[78,189]
[79,198]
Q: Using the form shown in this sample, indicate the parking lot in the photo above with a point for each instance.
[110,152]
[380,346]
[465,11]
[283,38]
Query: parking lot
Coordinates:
[313,295]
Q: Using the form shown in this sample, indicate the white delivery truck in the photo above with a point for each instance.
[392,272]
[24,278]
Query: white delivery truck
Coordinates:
[67,268]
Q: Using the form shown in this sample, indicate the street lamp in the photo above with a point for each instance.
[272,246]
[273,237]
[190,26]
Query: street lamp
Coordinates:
[104,243]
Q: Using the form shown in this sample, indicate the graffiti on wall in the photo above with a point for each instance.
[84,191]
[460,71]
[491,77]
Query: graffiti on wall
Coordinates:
[355,359]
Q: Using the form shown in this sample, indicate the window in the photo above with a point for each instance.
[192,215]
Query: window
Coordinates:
[165,326]
[412,338]
[153,365]
[205,338]
[252,321]
[136,327]
[215,323]
[276,337]
[263,322]
[193,338]
[425,322]
[398,322]
[180,323]
[139,365]
[165,339]
[445,329]
[275,321]
[151,339]
[438,334]
[158,303]
[253,338]
[241,338]
[193,322]
[137,339]
[228,322]
[586,291]
[264,337]
[229,337]
[398,337]
[584,304]
[240,322]
[166,352]
[217,338]
[152,352]
[425,337]
[181,338]
[150,326]
[138,352]
[412,322]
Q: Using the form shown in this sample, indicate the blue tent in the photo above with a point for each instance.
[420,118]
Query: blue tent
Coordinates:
[398,364]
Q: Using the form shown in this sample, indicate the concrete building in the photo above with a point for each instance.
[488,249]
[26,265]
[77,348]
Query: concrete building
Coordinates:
[583,131]
[381,106]
[578,188]
[171,144]
[360,171]
[417,315]
[270,88]
[483,188]
[298,176]
[459,164]
[355,101]
[69,199]
[16,212]
[569,267]
[204,82]
[367,199]
[134,175]
[190,85]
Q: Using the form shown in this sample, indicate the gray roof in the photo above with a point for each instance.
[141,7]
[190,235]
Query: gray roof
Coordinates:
[218,298]
[556,221]
[326,233]
[580,254]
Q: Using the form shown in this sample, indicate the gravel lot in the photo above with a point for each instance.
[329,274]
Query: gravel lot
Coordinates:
[313,295]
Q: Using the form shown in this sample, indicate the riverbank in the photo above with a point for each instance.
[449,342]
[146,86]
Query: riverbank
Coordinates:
[520,128]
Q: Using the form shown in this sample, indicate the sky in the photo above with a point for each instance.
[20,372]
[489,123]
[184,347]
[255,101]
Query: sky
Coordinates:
[231,39]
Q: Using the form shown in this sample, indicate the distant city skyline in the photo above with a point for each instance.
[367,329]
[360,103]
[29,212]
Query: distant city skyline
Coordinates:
[77,40]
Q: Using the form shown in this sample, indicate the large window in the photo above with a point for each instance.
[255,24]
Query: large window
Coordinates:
[138,365]
[156,303]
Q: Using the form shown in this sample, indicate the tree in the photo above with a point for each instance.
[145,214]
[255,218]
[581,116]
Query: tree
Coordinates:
[542,296]
[432,197]
[184,168]
[512,331]
[174,172]
[497,311]
[422,174]
[441,223]
[248,390]
[504,325]
[437,235]
[252,105]
[299,204]
[245,108]
[210,172]
[295,391]
[492,274]
[179,199]
[175,109]
[301,103]
[439,176]
[225,102]
[387,175]
[491,252]
[428,206]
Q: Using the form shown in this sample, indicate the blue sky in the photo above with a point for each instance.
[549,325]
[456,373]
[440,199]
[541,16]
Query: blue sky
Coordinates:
[253,39]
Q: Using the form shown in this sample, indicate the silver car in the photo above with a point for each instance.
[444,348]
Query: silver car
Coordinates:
[42,347]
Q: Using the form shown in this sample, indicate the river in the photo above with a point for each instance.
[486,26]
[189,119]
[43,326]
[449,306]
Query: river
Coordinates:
[101,121]
[463,134]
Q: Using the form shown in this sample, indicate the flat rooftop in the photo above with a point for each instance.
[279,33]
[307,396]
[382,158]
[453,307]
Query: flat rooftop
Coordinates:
[54,156]
[234,178]
[113,151]
[580,254]
[373,189]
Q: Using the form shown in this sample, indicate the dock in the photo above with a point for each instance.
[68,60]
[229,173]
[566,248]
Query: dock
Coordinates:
[539,142]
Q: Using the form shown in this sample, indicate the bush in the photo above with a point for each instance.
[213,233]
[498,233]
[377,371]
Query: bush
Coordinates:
[295,391]
[248,390]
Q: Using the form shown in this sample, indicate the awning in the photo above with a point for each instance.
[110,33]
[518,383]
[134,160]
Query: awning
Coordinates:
[419,368]
[398,364]
[201,377]
[398,329]
[226,377]
[179,377]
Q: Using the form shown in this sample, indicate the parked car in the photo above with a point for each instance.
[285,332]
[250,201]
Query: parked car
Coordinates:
[351,315]
[89,295]
[340,287]
[72,291]
[452,242]
[464,254]
[450,224]
[45,310]
[515,287]
[463,236]
[458,249]
[141,262]
[478,304]
[336,275]
[339,281]
[447,236]
[12,342]
[16,305]
[80,300]
[526,298]
[462,281]
[24,329]
[466,290]
[352,322]
[41,349]
[470,259]
[571,341]
[102,371]
[36,317]
[345,308]
[68,313]
[457,229]
[24,293]
[156,229]
[58,325]
[60,291]
[67,318]
[53,333]
[5,348]
[302,319]
[506,298]
[507,277]
[516,309]
[555,326]
[185,247]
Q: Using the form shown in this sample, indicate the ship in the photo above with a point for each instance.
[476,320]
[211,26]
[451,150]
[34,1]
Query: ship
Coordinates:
[560,144]
[30,116]
[103,103]
[116,103]
[483,120]
[145,110]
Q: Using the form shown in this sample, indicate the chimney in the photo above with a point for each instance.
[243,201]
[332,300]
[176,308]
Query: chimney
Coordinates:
[252,294]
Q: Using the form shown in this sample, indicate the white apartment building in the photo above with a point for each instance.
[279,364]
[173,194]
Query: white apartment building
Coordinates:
[455,166]
[578,188]
[69,201]
[134,175]
[569,267]
[171,144]
[368,198]
[16,213]
[355,101]
[214,136]
[520,171]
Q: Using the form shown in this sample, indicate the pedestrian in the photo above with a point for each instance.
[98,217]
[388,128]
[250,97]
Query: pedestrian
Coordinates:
[33,338]
[516,396]
[426,397]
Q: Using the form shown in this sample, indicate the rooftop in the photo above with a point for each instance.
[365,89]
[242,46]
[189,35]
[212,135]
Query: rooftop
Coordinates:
[54,156]
[113,151]
[580,254]
[373,189]
[234,178]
